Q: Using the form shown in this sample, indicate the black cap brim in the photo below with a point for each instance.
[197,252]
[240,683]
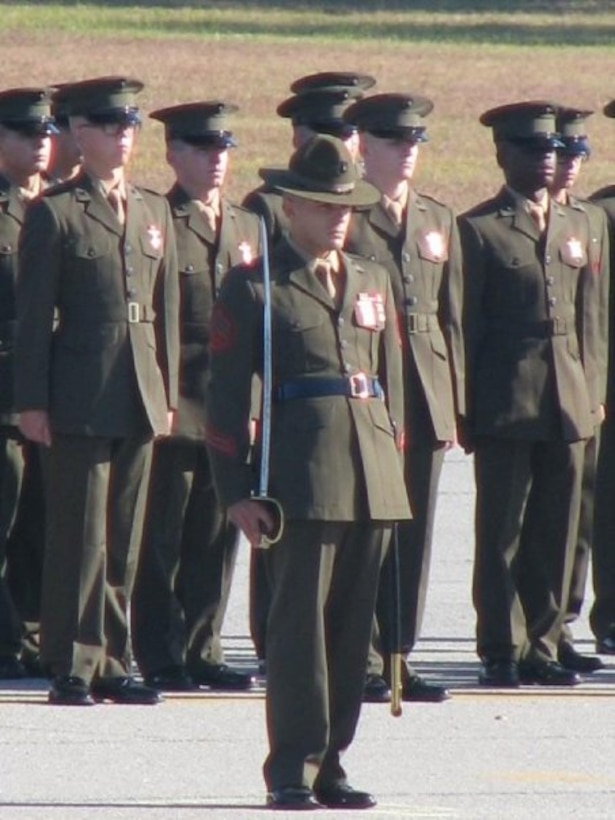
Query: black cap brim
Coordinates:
[114,116]
[574,147]
[33,128]
[221,141]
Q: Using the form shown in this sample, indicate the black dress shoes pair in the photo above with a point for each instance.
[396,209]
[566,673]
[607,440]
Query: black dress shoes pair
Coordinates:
[547,673]
[222,677]
[569,658]
[124,690]
[170,679]
[414,689]
[69,690]
[301,798]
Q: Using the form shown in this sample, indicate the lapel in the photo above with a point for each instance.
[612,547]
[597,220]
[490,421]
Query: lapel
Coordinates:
[134,210]
[379,218]
[516,216]
[300,275]
[556,224]
[354,283]
[186,209]
[8,197]
[415,214]
[96,206]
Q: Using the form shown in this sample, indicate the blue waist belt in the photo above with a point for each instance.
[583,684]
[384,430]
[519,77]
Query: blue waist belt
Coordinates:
[358,386]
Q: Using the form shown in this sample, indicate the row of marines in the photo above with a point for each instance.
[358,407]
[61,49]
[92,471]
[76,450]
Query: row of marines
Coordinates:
[384,352]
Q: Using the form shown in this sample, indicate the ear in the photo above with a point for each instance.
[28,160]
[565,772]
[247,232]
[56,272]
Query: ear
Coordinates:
[288,206]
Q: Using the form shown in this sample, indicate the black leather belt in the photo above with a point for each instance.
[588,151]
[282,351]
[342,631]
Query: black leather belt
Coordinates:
[358,386]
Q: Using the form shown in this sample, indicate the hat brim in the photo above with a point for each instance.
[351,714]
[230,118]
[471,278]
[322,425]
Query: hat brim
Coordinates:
[362,195]
[32,128]
[220,141]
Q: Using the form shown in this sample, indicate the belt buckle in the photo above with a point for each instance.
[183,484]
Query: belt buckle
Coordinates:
[133,313]
[359,386]
[559,326]
[413,324]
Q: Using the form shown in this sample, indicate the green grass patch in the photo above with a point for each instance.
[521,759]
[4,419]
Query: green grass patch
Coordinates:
[573,24]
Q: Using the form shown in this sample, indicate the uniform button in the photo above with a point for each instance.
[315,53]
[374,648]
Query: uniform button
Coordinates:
[343,344]
[91,252]
[547,260]
[219,268]
[405,256]
[412,300]
[129,271]
[372,257]
[408,278]
[347,368]
[128,248]
[550,280]
[552,300]
[340,321]
[7,248]
[131,293]
[190,268]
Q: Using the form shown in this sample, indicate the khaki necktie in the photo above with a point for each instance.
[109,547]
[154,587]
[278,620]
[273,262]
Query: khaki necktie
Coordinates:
[330,277]
[537,212]
[209,215]
[117,203]
[395,210]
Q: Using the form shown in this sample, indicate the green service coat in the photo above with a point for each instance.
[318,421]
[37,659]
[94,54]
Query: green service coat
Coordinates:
[110,368]
[532,324]
[425,266]
[332,458]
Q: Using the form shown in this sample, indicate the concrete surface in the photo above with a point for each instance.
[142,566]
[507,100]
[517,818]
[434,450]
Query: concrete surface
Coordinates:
[532,753]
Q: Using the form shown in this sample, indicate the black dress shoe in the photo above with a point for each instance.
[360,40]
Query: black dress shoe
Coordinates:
[220,676]
[547,673]
[499,674]
[170,679]
[293,798]
[124,690]
[606,644]
[569,658]
[417,690]
[69,690]
[342,796]
[11,668]
[376,690]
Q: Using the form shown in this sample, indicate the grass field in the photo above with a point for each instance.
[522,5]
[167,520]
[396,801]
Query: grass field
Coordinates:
[465,56]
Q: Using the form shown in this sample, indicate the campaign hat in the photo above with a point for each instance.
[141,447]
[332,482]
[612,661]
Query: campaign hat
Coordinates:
[322,170]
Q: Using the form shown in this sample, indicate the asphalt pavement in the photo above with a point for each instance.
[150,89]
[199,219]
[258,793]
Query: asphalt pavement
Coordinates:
[530,753]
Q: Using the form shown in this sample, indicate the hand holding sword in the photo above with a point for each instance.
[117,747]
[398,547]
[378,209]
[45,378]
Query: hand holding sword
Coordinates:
[261,517]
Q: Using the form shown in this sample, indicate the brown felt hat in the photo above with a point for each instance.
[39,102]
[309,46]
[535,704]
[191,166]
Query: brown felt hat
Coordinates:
[323,170]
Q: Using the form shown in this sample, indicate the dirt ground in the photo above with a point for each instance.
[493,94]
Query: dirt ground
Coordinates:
[457,165]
